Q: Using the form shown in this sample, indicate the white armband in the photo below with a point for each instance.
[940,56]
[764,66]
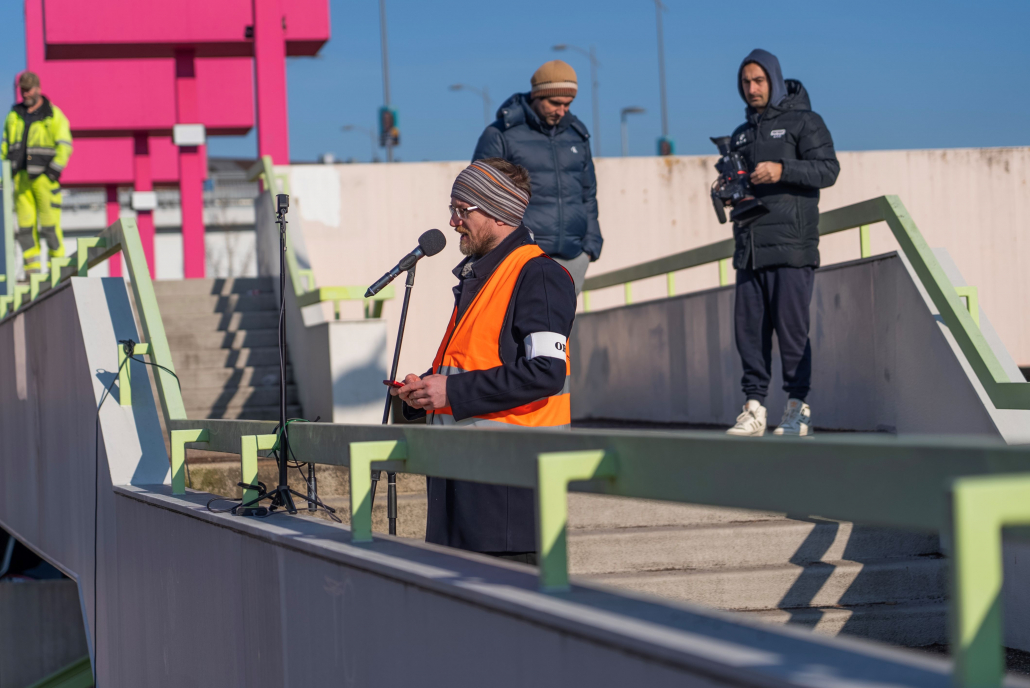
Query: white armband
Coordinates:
[549,344]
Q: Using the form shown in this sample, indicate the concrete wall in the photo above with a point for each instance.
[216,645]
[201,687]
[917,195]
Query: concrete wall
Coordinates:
[41,629]
[881,360]
[360,219]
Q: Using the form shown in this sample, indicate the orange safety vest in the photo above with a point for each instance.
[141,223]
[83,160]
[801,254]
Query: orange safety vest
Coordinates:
[474,344]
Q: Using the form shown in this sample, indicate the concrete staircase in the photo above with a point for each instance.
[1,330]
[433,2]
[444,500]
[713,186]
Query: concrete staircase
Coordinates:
[224,339]
[831,576]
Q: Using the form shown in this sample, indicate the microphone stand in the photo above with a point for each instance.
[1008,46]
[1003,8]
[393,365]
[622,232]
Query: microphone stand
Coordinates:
[281,496]
[391,477]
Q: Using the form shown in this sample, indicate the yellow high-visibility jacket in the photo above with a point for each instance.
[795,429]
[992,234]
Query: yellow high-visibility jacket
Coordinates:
[44,147]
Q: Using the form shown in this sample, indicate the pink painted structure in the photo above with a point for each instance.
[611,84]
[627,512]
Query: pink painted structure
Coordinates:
[126,71]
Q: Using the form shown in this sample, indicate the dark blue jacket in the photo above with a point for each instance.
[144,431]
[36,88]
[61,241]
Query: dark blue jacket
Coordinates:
[563,210]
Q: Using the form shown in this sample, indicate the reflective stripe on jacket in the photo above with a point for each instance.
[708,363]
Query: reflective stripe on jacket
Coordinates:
[474,344]
[46,144]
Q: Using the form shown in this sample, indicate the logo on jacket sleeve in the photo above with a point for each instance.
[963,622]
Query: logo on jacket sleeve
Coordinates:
[777,133]
[574,150]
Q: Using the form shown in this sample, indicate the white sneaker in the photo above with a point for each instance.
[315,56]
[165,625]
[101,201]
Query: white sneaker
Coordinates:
[750,423]
[797,419]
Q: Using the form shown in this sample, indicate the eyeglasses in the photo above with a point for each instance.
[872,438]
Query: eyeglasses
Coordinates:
[462,213]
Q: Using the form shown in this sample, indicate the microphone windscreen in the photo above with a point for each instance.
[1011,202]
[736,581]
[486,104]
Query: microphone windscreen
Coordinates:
[432,242]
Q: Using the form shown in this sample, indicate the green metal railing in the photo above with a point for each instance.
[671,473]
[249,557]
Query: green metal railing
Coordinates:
[962,318]
[967,488]
[9,224]
[122,236]
[307,292]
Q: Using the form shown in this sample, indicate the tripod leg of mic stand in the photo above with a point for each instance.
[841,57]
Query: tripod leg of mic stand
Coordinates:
[391,501]
[375,481]
[312,488]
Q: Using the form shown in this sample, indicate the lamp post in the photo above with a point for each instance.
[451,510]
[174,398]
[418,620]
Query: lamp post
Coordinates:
[632,110]
[386,71]
[371,136]
[665,149]
[484,94]
[594,64]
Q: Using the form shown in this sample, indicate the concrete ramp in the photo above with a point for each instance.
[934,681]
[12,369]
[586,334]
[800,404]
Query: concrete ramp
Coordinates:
[883,360]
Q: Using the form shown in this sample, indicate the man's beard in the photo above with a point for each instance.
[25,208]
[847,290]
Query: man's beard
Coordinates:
[471,246]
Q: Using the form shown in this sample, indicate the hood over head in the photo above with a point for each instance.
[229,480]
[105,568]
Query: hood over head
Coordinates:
[767,61]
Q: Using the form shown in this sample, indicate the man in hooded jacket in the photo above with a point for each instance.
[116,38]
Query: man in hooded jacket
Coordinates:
[790,153]
[537,131]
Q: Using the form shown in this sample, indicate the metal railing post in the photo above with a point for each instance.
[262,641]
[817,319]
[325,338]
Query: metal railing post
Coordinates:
[554,471]
[362,454]
[178,439]
[250,445]
[981,506]
[864,241]
[124,376]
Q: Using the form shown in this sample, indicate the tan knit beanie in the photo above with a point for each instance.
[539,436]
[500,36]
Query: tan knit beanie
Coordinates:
[554,78]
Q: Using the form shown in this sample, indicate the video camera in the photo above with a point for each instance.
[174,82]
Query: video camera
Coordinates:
[733,187]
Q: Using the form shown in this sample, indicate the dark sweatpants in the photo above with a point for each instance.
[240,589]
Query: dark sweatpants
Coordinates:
[771,299]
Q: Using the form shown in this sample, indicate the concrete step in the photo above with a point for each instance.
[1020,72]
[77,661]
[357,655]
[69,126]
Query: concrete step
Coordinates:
[233,303]
[911,625]
[179,323]
[246,412]
[824,584]
[225,358]
[203,397]
[211,339]
[261,376]
[217,286]
[589,511]
[759,543]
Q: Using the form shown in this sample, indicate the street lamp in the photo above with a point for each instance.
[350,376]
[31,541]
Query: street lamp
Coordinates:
[386,73]
[664,143]
[484,94]
[371,136]
[594,64]
[625,129]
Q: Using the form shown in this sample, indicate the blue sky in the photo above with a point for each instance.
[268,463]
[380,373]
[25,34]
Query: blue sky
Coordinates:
[883,75]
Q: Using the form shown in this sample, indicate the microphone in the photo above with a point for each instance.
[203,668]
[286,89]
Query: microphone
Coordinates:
[429,244]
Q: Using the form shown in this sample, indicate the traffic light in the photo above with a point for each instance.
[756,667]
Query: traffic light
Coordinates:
[666,146]
[389,134]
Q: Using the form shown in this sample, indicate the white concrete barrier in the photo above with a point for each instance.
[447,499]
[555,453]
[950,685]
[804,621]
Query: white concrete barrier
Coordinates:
[973,202]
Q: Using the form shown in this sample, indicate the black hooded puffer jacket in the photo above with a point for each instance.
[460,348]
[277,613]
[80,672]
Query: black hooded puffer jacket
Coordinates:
[787,132]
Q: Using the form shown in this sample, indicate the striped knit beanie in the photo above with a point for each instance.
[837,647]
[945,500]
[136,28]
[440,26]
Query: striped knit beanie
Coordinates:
[554,78]
[492,192]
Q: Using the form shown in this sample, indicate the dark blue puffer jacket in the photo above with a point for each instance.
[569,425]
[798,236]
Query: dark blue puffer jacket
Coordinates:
[563,210]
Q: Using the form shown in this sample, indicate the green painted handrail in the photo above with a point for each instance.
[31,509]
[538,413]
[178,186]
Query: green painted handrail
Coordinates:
[122,236]
[962,320]
[965,486]
[8,221]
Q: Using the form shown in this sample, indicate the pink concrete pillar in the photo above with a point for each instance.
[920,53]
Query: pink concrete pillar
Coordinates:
[143,182]
[270,81]
[191,170]
[114,211]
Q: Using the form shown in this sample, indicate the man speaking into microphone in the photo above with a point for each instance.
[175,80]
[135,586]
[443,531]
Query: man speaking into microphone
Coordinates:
[503,362]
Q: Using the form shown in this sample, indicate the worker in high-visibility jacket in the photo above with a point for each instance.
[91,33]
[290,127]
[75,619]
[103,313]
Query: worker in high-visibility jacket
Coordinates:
[503,362]
[38,142]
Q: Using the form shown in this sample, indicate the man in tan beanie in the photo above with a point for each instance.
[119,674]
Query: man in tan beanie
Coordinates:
[537,131]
